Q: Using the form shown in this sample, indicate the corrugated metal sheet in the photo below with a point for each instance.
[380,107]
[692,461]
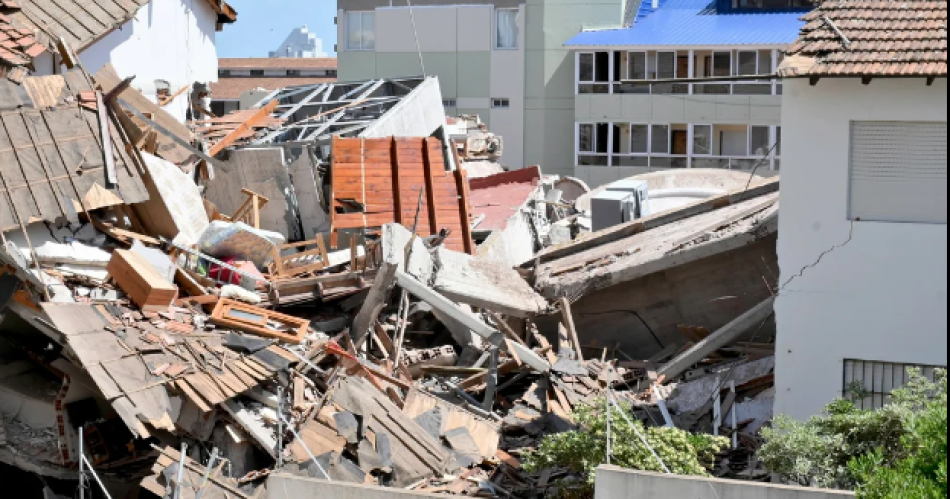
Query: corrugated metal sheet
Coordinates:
[696,23]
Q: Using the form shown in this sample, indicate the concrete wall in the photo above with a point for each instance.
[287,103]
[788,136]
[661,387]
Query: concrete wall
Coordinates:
[417,115]
[293,487]
[172,40]
[456,40]
[549,76]
[882,294]
[617,483]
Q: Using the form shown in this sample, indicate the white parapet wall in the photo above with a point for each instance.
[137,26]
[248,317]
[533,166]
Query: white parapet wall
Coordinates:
[619,483]
[295,487]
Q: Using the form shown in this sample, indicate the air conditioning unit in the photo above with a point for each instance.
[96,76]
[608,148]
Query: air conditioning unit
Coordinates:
[612,208]
[640,191]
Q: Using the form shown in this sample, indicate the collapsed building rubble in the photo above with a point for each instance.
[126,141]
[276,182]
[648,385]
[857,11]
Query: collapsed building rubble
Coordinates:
[175,314]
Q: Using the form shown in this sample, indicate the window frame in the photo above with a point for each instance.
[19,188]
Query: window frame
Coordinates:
[500,103]
[657,64]
[362,44]
[692,137]
[646,64]
[750,152]
[496,38]
[257,73]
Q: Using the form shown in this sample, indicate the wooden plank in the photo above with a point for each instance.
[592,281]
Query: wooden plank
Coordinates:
[112,179]
[568,319]
[193,396]
[396,183]
[429,145]
[251,319]
[261,115]
[464,209]
[378,297]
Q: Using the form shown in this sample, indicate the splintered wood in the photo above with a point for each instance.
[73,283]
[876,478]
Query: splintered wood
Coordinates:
[378,181]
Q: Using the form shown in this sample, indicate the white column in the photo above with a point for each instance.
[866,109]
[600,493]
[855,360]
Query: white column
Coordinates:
[775,53]
[689,144]
[577,73]
[610,71]
[692,69]
[610,144]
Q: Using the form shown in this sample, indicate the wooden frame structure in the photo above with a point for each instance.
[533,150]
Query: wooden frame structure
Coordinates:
[300,263]
[236,315]
[250,211]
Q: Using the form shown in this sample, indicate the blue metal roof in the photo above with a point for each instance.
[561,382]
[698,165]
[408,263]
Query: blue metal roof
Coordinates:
[696,23]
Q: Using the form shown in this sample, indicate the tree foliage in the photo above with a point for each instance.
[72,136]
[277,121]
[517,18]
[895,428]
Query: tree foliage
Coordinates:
[840,448]
[583,450]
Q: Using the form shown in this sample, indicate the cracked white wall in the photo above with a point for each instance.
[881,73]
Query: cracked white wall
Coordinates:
[883,295]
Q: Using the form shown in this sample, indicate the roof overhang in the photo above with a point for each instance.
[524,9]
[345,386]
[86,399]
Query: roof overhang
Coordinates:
[668,48]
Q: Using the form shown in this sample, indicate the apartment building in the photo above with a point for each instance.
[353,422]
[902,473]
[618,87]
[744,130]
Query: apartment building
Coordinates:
[504,60]
[634,116]
[243,82]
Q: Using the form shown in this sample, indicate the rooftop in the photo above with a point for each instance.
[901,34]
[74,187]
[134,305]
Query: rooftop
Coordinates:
[500,197]
[278,63]
[233,88]
[686,23]
[884,38]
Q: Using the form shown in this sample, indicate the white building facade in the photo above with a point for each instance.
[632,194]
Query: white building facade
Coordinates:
[863,228]
[634,116]
[163,43]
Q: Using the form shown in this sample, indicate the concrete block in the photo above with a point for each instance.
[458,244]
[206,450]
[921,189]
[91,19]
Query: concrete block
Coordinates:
[294,487]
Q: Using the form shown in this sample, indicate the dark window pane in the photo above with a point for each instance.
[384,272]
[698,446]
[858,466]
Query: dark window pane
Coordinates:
[587,160]
[712,89]
[748,62]
[586,67]
[600,88]
[602,66]
[602,137]
[585,140]
[752,89]
[722,64]
[639,136]
[631,88]
[765,62]
[665,65]
[759,140]
[660,142]
[637,65]
[702,139]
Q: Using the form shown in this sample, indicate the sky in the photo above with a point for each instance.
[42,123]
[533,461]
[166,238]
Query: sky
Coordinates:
[263,25]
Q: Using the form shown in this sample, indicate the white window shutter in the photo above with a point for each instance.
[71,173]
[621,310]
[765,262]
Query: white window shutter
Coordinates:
[899,172]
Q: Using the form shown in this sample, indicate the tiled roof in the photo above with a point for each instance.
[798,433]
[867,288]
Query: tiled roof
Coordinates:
[18,47]
[84,22]
[278,63]
[233,88]
[695,23]
[887,38]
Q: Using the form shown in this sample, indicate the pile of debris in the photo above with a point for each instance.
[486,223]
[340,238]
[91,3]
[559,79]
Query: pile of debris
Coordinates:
[176,346]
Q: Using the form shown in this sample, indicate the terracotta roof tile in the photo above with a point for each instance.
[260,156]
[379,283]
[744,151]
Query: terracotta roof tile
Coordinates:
[887,38]
[233,88]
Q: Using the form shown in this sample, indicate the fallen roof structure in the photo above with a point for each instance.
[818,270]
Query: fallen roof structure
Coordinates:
[704,264]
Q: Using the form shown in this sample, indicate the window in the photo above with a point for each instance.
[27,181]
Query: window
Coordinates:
[257,72]
[331,73]
[637,65]
[593,72]
[660,139]
[593,144]
[293,72]
[639,139]
[702,139]
[665,65]
[224,73]
[506,29]
[870,384]
[360,30]
[450,103]
[722,64]
[500,103]
[748,64]
[898,172]
[759,141]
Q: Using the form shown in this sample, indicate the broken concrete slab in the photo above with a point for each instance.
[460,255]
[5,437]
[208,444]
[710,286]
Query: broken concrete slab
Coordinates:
[485,284]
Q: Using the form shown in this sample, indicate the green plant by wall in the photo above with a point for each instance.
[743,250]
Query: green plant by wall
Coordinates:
[922,474]
[583,450]
[822,452]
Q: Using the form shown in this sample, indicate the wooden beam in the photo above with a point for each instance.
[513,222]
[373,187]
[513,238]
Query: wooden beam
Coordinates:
[377,299]
[568,319]
[105,128]
[168,100]
[430,184]
[261,115]
[465,211]
[721,338]
[397,190]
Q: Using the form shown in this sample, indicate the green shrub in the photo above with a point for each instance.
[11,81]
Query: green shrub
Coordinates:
[583,450]
[820,451]
[922,474]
